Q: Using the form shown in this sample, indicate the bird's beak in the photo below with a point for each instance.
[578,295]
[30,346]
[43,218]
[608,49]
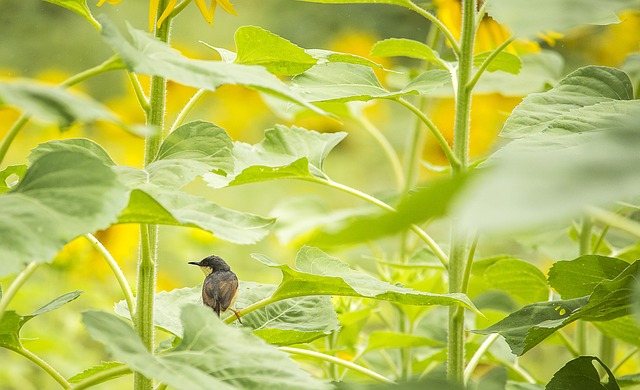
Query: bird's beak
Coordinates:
[194,263]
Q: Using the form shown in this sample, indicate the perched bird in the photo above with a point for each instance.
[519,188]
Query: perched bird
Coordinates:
[220,287]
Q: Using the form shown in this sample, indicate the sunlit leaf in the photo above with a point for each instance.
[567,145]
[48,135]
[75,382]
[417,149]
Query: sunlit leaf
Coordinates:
[585,87]
[580,373]
[504,61]
[77,145]
[257,46]
[61,196]
[519,278]
[317,273]
[290,321]
[529,19]
[211,354]
[145,55]
[324,56]
[12,322]
[52,105]
[79,7]
[431,201]
[400,47]
[578,277]
[285,152]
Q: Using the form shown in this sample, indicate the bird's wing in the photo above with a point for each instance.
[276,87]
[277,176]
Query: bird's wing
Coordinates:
[228,285]
[210,293]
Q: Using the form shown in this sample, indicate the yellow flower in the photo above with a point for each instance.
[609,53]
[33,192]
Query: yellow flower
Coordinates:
[207,11]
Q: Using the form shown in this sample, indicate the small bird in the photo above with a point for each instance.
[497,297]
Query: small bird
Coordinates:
[220,287]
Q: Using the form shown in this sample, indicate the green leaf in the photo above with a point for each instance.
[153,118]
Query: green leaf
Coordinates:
[578,277]
[571,171]
[52,105]
[79,7]
[519,278]
[528,19]
[290,321]
[96,370]
[629,380]
[11,176]
[612,298]
[317,273]
[420,205]
[257,46]
[529,326]
[585,87]
[144,54]
[427,82]
[402,3]
[77,145]
[388,340]
[324,56]
[504,61]
[62,195]
[396,47]
[12,322]
[284,153]
[210,355]
[580,373]
[621,328]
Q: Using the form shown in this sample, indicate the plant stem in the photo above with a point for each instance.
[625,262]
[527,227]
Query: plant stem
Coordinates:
[185,110]
[143,318]
[386,148]
[439,25]
[137,89]
[335,360]
[615,220]
[475,359]
[570,346]
[454,161]
[15,286]
[585,246]
[458,255]
[102,377]
[117,272]
[607,350]
[44,365]
[487,62]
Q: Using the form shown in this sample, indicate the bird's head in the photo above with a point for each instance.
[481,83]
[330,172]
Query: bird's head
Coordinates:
[211,264]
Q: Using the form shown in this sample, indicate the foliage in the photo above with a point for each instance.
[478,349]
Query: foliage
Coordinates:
[446,247]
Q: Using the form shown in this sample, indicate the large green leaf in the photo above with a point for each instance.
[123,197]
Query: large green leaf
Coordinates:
[431,201]
[585,87]
[527,19]
[211,355]
[62,195]
[519,278]
[578,277]
[290,321]
[549,178]
[79,7]
[52,105]
[12,322]
[283,153]
[317,273]
[621,328]
[527,327]
[257,46]
[395,47]
[580,373]
[143,54]
[343,82]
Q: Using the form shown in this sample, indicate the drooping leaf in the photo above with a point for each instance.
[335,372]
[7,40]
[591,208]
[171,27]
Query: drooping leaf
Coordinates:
[585,87]
[519,278]
[210,355]
[52,105]
[11,176]
[77,145]
[95,370]
[79,7]
[389,340]
[257,46]
[529,19]
[284,153]
[290,321]
[145,55]
[578,277]
[580,373]
[61,196]
[12,322]
[612,298]
[431,201]
[317,273]
[396,47]
[504,61]
[550,178]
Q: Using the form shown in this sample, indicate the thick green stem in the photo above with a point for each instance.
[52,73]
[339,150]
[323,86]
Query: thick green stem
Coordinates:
[585,249]
[45,366]
[475,359]
[143,318]
[458,257]
[335,360]
[15,286]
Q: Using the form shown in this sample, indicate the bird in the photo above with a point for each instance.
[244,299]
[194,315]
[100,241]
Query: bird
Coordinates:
[220,287]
